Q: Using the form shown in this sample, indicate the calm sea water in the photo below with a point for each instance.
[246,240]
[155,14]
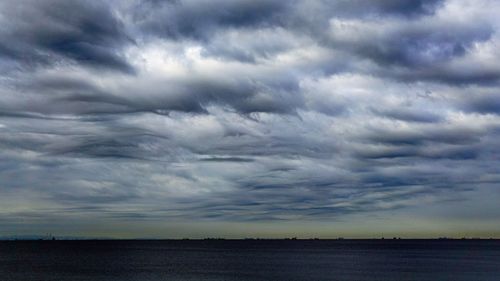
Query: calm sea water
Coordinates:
[355,260]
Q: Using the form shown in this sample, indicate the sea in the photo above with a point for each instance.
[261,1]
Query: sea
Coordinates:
[276,260]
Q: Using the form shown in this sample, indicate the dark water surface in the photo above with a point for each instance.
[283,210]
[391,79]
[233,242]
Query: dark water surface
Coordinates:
[290,260]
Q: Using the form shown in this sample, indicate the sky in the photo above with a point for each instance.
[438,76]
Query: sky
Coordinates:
[250,118]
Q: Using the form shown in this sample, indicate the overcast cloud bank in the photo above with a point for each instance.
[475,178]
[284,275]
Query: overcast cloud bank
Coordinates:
[128,112]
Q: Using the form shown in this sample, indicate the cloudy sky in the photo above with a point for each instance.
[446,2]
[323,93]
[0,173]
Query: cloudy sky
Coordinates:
[193,118]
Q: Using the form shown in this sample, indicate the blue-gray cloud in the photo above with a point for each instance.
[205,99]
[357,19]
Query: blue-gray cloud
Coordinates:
[42,33]
[127,112]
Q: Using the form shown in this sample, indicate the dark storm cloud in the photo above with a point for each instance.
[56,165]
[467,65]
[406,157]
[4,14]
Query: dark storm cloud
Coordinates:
[396,7]
[423,46]
[201,19]
[226,159]
[416,137]
[407,151]
[409,115]
[418,50]
[245,111]
[37,33]
[485,103]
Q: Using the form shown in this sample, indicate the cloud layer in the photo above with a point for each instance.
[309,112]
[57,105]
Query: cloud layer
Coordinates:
[268,112]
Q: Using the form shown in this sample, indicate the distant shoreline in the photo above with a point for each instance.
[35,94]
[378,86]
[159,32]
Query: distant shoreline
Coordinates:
[246,239]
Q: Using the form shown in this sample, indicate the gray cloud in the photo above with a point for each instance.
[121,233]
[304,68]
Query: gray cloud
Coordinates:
[201,19]
[131,113]
[410,115]
[39,33]
[405,7]
[484,103]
